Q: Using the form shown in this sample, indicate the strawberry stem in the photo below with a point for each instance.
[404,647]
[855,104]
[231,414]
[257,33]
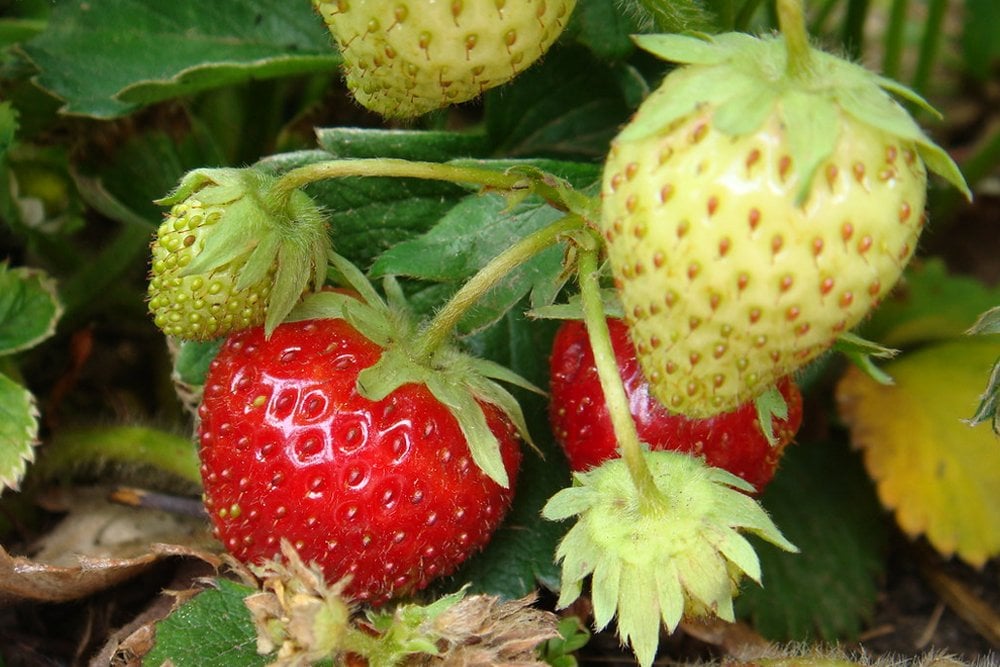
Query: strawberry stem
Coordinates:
[396,168]
[609,376]
[791,19]
[439,329]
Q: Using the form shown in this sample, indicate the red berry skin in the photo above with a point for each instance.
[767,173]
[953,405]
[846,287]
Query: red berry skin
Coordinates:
[582,426]
[383,491]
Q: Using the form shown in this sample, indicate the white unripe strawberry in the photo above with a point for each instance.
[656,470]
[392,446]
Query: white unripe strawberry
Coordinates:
[403,58]
[752,216]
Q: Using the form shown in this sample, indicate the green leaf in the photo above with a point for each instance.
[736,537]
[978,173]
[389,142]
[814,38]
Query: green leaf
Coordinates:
[769,405]
[828,590]
[603,28]
[687,49]
[471,419]
[812,135]
[29,308]
[14,30]
[929,304]
[470,235]
[862,353]
[106,59]
[474,232]
[568,106]
[18,432]
[214,629]
[193,360]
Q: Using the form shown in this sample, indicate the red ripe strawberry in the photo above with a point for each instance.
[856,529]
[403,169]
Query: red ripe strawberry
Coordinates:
[580,420]
[385,491]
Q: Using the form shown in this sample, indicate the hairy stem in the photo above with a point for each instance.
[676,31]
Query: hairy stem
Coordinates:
[395,168]
[792,20]
[611,381]
[444,322]
[122,446]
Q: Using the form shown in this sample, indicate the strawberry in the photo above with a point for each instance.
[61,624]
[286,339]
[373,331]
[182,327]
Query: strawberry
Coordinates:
[756,208]
[403,59]
[581,423]
[229,256]
[384,491]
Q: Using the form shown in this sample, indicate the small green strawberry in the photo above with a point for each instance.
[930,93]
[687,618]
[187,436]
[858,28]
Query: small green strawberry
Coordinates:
[230,256]
[403,59]
[754,211]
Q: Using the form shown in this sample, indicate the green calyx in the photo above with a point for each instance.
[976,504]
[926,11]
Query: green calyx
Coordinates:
[461,382]
[658,562]
[746,80]
[245,237]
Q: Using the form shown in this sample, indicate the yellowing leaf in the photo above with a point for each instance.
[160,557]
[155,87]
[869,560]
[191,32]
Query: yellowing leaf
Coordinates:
[940,475]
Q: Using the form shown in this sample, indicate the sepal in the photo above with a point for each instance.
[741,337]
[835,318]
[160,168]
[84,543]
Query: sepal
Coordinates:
[743,78]
[458,380]
[656,560]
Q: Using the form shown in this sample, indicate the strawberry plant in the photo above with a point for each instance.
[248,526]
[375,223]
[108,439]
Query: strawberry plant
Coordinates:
[498,332]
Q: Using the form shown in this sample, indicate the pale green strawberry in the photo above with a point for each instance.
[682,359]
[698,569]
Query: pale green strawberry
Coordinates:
[404,58]
[229,256]
[752,217]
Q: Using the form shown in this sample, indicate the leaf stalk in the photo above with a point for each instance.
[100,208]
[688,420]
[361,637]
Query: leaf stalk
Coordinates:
[610,378]
[791,19]
[446,319]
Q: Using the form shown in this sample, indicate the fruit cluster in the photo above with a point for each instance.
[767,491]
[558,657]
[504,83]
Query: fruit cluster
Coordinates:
[756,208]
